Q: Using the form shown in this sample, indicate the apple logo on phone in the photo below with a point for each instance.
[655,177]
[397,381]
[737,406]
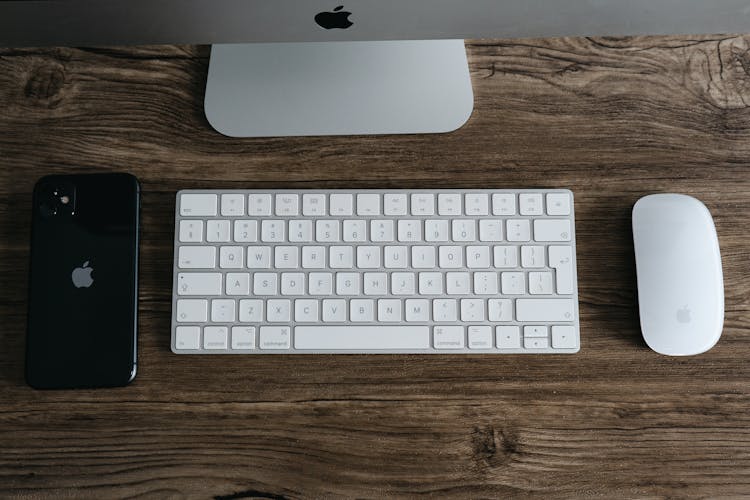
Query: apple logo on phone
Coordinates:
[81,276]
[337,19]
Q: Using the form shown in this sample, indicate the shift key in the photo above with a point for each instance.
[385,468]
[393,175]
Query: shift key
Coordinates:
[199,284]
[544,310]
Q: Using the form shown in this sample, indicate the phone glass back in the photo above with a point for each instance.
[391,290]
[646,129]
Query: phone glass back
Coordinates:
[83,284]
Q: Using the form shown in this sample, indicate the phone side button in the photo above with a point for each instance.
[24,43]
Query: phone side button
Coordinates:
[187,338]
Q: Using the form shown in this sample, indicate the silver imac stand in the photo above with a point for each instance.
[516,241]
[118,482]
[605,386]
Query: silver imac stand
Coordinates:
[338,88]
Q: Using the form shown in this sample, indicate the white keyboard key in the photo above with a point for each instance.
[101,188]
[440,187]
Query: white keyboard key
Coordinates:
[480,337]
[409,230]
[327,231]
[187,337]
[368,257]
[451,257]
[292,284]
[545,310]
[558,204]
[222,310]
[245,231]
[314,205]
[518,230]
[232,205]
[490,230]
[300,231]
[320,284]
[532,256]
[192,311]
[278,311]
[199,284]
[313,257]
[243,337]
[513,283]
[445,310]
[215,337]
[423,204]
[355,231]
[486,284]
[191,231]
[357,338]
[238,284]
[535,343]
[196,257]
[348,284]
[403,284]
[376,283]
[259,257]
[306,311]
[448,337]
[394,204]
[436,231]
[500,310]
[540,283]
[417,310]
[506,257]
[472,310]
[251,311]
[477,204]
[430,283]
[564,337]
[218,231]
[535,331]
[334,310]
[341,204]
[508,337]
[259,205]
[273,231]
[504,204]
[423,257]
[286,257]
[198,205]
[382,231]
[464,230]
[552,230]
[457,283]
[450,204]
[287,205]
[231,258]
[561,259]
[361,310]
[341,257]
[265,284]
[396,257]
[368,205]
[478,257]
[530,204]
[389,310]
[275,337]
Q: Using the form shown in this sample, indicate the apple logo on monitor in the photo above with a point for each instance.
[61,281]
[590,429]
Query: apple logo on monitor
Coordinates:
[336,19]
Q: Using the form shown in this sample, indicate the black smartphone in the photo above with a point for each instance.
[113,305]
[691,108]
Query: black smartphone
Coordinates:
[83,292]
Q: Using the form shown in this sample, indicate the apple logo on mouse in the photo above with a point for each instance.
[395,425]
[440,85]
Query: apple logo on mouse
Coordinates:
[81,276]
[336,19]
[683,314]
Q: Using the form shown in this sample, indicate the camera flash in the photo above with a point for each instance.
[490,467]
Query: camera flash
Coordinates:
[64,199]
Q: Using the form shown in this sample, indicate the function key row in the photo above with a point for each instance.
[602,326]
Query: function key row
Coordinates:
[374,204]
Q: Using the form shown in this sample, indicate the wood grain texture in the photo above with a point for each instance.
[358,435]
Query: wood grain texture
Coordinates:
[611,118]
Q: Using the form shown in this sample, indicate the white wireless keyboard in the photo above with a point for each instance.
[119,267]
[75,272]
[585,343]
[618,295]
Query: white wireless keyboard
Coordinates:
[438,271]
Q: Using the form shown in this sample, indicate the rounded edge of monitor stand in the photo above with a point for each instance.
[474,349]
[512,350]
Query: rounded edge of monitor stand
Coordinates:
[338,88]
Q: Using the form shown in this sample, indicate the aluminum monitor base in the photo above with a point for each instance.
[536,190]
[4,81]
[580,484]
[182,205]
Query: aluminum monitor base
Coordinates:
[338,88]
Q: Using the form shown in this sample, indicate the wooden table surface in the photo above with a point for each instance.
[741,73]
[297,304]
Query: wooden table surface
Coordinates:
[611,118]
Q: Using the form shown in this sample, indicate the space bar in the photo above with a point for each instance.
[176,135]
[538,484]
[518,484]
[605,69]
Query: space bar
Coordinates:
[356,338]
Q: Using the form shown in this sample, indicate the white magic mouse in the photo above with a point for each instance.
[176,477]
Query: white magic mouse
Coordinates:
[680,281]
